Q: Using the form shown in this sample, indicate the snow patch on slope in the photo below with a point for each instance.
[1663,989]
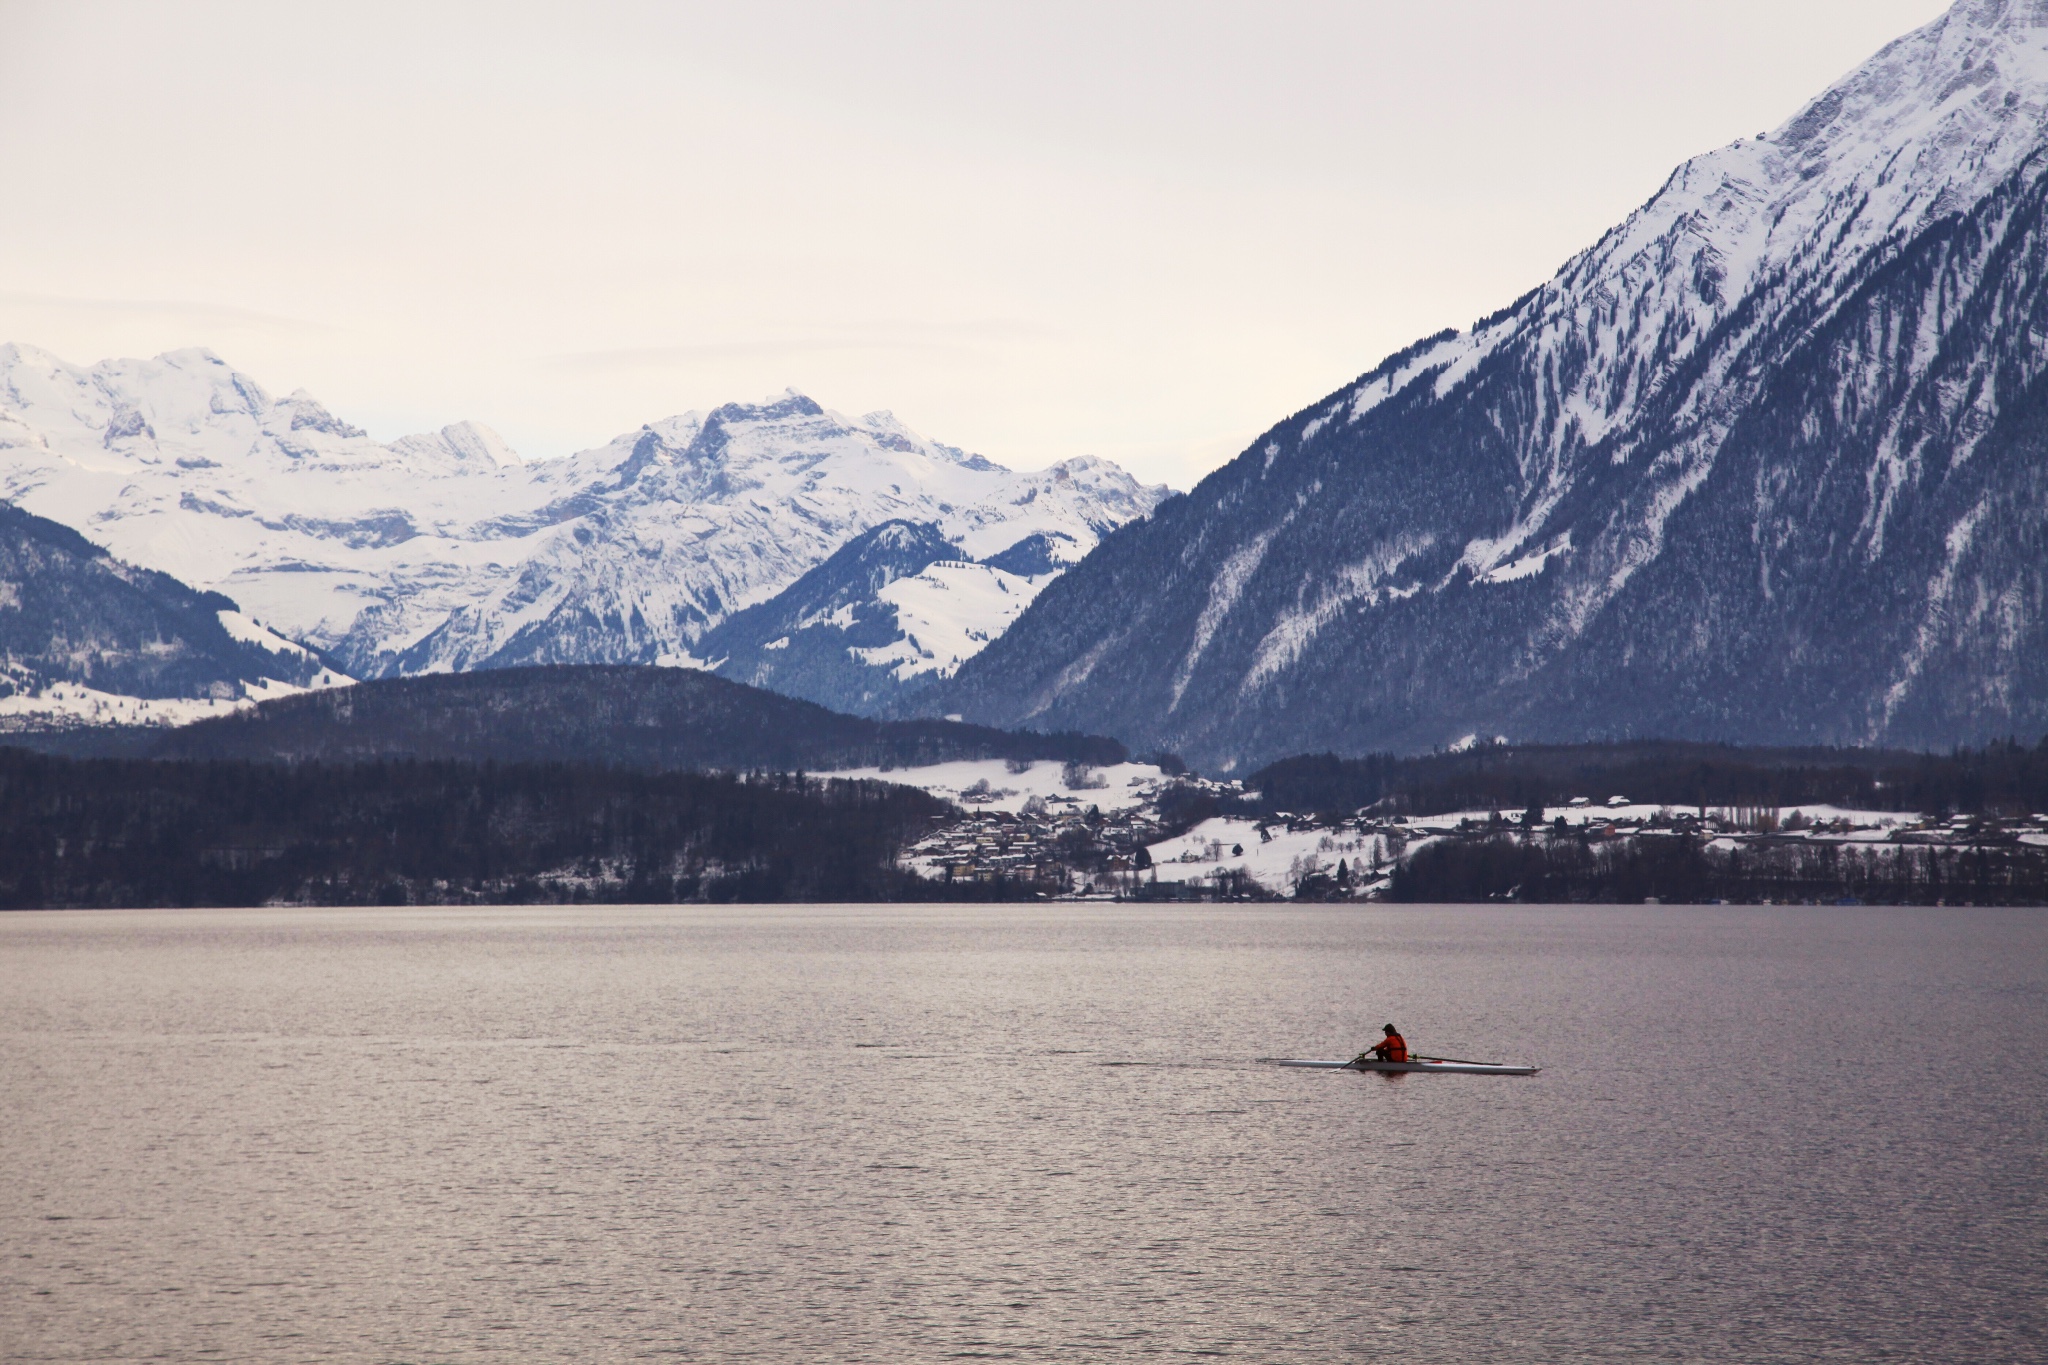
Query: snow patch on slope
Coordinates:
[1276,862]
[1529,565]
[947,614]
[1224,590]
[252,632]
[1298,626]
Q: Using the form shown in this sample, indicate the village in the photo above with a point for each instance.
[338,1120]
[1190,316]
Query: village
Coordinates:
[1183,837]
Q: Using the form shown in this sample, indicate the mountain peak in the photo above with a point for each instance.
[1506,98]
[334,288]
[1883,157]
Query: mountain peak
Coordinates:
[1929,125]
[1761,464]
[192,357]
[445,550]
[464,446]
[789,403]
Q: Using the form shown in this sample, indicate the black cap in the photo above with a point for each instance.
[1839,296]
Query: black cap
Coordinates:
[1390,1028]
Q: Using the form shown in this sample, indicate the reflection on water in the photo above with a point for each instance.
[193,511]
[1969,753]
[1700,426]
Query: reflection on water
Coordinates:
[855,1134]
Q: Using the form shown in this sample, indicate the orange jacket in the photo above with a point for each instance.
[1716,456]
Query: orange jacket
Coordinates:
[1394,1049]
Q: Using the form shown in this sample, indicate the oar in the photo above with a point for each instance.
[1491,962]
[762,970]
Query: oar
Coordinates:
[1461,1061]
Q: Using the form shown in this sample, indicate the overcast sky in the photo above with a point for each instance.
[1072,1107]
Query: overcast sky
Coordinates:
[1144,231]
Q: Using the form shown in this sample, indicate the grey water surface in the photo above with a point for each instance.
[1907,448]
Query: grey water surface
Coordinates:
[890,1134]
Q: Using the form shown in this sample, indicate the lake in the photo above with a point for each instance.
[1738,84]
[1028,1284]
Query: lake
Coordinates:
[1023,1133]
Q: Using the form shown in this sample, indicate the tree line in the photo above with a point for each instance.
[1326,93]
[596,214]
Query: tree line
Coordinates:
[1685,870]
[2006,777]
[129,832]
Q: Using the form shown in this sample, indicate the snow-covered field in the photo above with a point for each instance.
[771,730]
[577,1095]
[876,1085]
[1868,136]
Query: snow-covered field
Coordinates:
[1276,864]
[66,704]
[1599,813]
[1124,785]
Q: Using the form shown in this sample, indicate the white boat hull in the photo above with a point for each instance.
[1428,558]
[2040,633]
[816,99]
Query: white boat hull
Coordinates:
[1463,1068]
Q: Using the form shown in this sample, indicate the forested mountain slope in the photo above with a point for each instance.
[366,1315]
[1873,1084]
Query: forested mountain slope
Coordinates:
[1767,463]
[86,639]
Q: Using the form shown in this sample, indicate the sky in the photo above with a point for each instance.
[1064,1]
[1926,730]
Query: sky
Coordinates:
[1145,231]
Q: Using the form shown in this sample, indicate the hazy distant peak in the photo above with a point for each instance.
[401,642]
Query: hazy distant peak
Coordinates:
[1083,464]
[476,441]
[445,550]
[471,445]
[303,412]
[788,403]
[14,353]
[192,357]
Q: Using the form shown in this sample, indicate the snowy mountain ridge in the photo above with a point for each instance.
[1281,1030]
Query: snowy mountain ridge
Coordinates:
[1932,123]
[448,551]
[1761,464]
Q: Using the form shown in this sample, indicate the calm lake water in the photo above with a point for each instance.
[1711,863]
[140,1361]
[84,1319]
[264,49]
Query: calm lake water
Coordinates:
[804,1134]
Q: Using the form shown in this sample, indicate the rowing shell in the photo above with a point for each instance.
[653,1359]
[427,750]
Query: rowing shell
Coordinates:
[1468,1068]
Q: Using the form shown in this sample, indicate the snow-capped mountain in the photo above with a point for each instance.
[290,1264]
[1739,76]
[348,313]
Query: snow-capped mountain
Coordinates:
[448,551]
[894,610]
[88,640]
[1769,462]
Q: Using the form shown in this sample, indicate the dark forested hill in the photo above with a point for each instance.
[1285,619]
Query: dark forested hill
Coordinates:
[115,833]
[656,718]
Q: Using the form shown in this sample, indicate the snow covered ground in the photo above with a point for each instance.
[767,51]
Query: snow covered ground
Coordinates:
[988,784]
[1599,813]
[250,631]
[1276,864]
[66,704]
[948,613]
[60,705]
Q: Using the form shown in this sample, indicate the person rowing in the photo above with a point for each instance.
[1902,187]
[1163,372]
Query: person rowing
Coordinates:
[1392,1048]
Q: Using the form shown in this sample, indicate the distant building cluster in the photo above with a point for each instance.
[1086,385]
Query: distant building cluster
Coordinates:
[1195,839]
[1053,847]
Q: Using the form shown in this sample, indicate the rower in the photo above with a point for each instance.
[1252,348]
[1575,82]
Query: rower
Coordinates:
[1394,1048]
